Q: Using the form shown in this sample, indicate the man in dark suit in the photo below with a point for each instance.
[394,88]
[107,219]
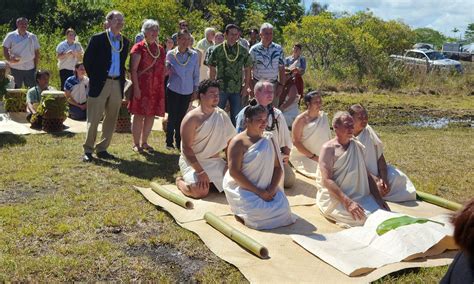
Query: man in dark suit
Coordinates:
[104,60]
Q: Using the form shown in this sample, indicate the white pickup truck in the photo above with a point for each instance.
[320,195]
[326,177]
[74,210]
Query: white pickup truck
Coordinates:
[430,59]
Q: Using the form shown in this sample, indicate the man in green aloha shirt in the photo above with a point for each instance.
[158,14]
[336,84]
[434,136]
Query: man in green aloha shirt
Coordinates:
[229,63]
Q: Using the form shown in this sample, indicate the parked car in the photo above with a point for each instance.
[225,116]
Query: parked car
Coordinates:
[422,45]
[458,51]
[430,60]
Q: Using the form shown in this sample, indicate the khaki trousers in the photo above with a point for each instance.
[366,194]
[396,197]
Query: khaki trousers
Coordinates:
[107,104]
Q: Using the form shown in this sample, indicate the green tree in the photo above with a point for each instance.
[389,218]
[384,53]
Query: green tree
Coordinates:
[218,16]
[10,10]
[252,20]
[85,16]
[317,8]
[323,38]
[166,12]
[279,12]
[428,35]
[469,33]
[455,31]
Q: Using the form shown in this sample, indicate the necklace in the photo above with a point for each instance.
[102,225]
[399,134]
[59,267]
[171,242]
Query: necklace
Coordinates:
[175,52]
[149,51]
[225,52]
[112,46]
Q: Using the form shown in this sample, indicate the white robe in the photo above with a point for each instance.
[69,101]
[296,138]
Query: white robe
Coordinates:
[350,174]
[315,134]
[210,139]
[257,166]
[292,111]
[401,187]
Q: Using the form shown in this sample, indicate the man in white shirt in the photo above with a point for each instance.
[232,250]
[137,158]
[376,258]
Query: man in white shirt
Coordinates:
[21,50]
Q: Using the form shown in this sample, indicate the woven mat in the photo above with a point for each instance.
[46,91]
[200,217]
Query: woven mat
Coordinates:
[288,262]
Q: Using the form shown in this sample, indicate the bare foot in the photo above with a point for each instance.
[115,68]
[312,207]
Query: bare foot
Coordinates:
[183,187]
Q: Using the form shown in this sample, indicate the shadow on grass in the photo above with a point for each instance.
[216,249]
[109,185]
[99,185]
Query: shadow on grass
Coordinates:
[65,134]
[10,139]
[158,165]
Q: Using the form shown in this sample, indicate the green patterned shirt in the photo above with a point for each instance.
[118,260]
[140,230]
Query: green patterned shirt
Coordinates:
[230,73]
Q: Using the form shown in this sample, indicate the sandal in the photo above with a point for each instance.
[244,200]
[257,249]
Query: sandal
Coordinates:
[147,147]
[137,149]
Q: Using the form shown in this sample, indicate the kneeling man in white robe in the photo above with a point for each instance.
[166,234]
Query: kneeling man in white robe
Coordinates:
[347,193]
[205,133]
[253,184]
[394,185]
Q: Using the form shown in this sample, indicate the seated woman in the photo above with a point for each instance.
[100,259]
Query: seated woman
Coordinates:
[252,187]
[33,96]
[76,88]
[310,131]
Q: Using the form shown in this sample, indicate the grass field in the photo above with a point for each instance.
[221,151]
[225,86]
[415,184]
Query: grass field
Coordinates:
[63,220]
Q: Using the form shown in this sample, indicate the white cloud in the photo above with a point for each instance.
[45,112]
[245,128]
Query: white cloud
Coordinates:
[441,16]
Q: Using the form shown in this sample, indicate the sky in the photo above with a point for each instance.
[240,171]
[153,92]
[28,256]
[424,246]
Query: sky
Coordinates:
[442,16]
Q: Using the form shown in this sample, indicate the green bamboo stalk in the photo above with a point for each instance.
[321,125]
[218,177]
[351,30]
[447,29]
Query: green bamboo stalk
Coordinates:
[433,199]
[171,196]
[235,235]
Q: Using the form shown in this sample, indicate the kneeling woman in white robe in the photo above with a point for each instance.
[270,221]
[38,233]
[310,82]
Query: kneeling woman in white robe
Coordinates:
[252,186]
[395,185]
[310,131]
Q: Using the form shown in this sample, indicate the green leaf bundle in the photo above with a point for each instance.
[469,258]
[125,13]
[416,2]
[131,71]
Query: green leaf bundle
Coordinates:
[393,223]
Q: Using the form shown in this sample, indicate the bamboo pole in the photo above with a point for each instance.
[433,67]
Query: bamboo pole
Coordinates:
[433,199]
[235,235]
[171,196]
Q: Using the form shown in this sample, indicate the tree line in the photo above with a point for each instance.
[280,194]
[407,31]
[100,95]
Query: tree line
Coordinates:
[347,46]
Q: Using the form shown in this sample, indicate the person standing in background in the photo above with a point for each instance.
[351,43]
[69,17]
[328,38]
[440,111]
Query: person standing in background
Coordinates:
[104,60]
[147,70]
[21,50]
[68,52]
[183,70]
[203,45]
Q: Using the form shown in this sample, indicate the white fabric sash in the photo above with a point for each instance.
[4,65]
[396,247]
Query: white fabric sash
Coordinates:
[315,134]
[24,50]
[350,174]
[257,166]
[401,187]
[210,139]
[281,133]
[373,148]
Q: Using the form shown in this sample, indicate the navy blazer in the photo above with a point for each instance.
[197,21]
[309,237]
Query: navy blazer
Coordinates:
[97,61]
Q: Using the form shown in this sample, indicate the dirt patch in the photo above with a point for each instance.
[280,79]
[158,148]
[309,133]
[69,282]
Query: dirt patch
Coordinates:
[140,244]
[21,193]
[182,267]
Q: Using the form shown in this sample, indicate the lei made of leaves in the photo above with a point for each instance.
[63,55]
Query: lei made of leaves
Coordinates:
[175,52]
[112,46]
[227,56]
[149,51]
